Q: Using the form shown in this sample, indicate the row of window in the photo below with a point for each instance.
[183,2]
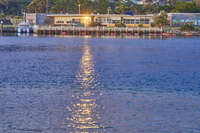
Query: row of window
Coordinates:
[191,21]
[67,22]
[60,22]
[126,21]
[136,21]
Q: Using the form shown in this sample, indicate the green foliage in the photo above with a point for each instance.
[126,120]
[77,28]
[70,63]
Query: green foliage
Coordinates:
[161,19]
[16,7]
[102,6]
[120,25]
[123,6]
[37,6]
[60,6]
[167,8]
[94,24]
[149,9]
[140,25]
[85,6]
[187,27]
[189,7]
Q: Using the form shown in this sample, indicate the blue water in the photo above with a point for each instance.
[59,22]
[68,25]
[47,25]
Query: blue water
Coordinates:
[74,84]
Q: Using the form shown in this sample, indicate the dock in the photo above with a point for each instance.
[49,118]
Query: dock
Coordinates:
[96,31]
[100,31]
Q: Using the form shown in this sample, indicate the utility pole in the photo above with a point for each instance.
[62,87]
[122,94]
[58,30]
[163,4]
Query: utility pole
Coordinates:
[25,16]
[47,6]
[1,26]
[79,8]
[109,9]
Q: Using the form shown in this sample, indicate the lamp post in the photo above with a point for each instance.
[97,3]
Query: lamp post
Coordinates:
[47,6]
[79,8]
[109,9]
[1,26]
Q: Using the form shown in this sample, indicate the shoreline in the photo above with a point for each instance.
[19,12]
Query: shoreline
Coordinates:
[100,31]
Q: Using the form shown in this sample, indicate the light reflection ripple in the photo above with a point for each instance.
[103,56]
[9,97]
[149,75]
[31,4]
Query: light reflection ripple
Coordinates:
[83,109]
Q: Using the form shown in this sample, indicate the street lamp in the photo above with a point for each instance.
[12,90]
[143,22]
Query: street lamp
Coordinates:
[1,26]
[109,9]
[47,6]
[79,8]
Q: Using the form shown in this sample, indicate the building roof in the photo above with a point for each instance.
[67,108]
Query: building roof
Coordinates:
[97,15]
[183,13]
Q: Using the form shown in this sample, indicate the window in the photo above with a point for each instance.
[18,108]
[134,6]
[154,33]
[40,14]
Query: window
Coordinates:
[61,22]
[137,21]
[146,21]
[142,21]
[132,21]
[68,22]
[109,20]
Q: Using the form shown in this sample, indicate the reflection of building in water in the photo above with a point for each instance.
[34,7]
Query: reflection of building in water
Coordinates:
[83,109]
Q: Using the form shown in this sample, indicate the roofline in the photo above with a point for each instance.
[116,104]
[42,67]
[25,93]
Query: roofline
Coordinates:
[98,15]
[183,13]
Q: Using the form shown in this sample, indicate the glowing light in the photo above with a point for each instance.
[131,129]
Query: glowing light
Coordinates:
[86,18]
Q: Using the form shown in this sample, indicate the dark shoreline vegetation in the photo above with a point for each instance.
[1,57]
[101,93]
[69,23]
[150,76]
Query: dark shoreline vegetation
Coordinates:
[14,9]
[17,7]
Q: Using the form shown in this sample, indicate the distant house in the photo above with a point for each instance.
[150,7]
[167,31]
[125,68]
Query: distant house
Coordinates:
[178,19]
[36,18]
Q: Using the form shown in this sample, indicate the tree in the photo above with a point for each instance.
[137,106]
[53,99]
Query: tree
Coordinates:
[197,3]
[122,6]
[12,7]
[102,6]
[166,8]
[37,6]
[161,19]
[119,24]
[4,2]
[85,6]
[149,9]
[135,9]
[189,7]
[60,6]
[187,27]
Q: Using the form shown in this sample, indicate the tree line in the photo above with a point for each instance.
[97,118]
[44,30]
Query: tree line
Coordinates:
[16,7]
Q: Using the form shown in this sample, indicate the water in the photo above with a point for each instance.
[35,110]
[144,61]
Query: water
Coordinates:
[99,85]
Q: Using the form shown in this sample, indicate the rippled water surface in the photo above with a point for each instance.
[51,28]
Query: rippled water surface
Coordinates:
[99,85]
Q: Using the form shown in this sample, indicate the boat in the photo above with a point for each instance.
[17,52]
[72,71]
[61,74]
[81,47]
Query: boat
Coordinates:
[188,34]
[24,27]
[165,34]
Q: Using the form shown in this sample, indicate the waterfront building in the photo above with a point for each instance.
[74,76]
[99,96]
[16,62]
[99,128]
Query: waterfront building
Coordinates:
[108,20]
[178,19]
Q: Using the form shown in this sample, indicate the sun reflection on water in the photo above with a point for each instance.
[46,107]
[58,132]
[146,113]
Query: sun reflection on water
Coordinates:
[83,109]
[86,76]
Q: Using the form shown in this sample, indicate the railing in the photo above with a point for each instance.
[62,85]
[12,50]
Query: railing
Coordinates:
[127,29]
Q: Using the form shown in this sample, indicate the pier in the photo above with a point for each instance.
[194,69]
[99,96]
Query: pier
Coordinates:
[96,31]
[8,28]
[99,31]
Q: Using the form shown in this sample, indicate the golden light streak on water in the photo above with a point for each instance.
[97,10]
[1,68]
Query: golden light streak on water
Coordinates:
[86,74]
[84,115]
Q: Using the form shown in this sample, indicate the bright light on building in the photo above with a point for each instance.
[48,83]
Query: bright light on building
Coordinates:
[86,21]
[86,18]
